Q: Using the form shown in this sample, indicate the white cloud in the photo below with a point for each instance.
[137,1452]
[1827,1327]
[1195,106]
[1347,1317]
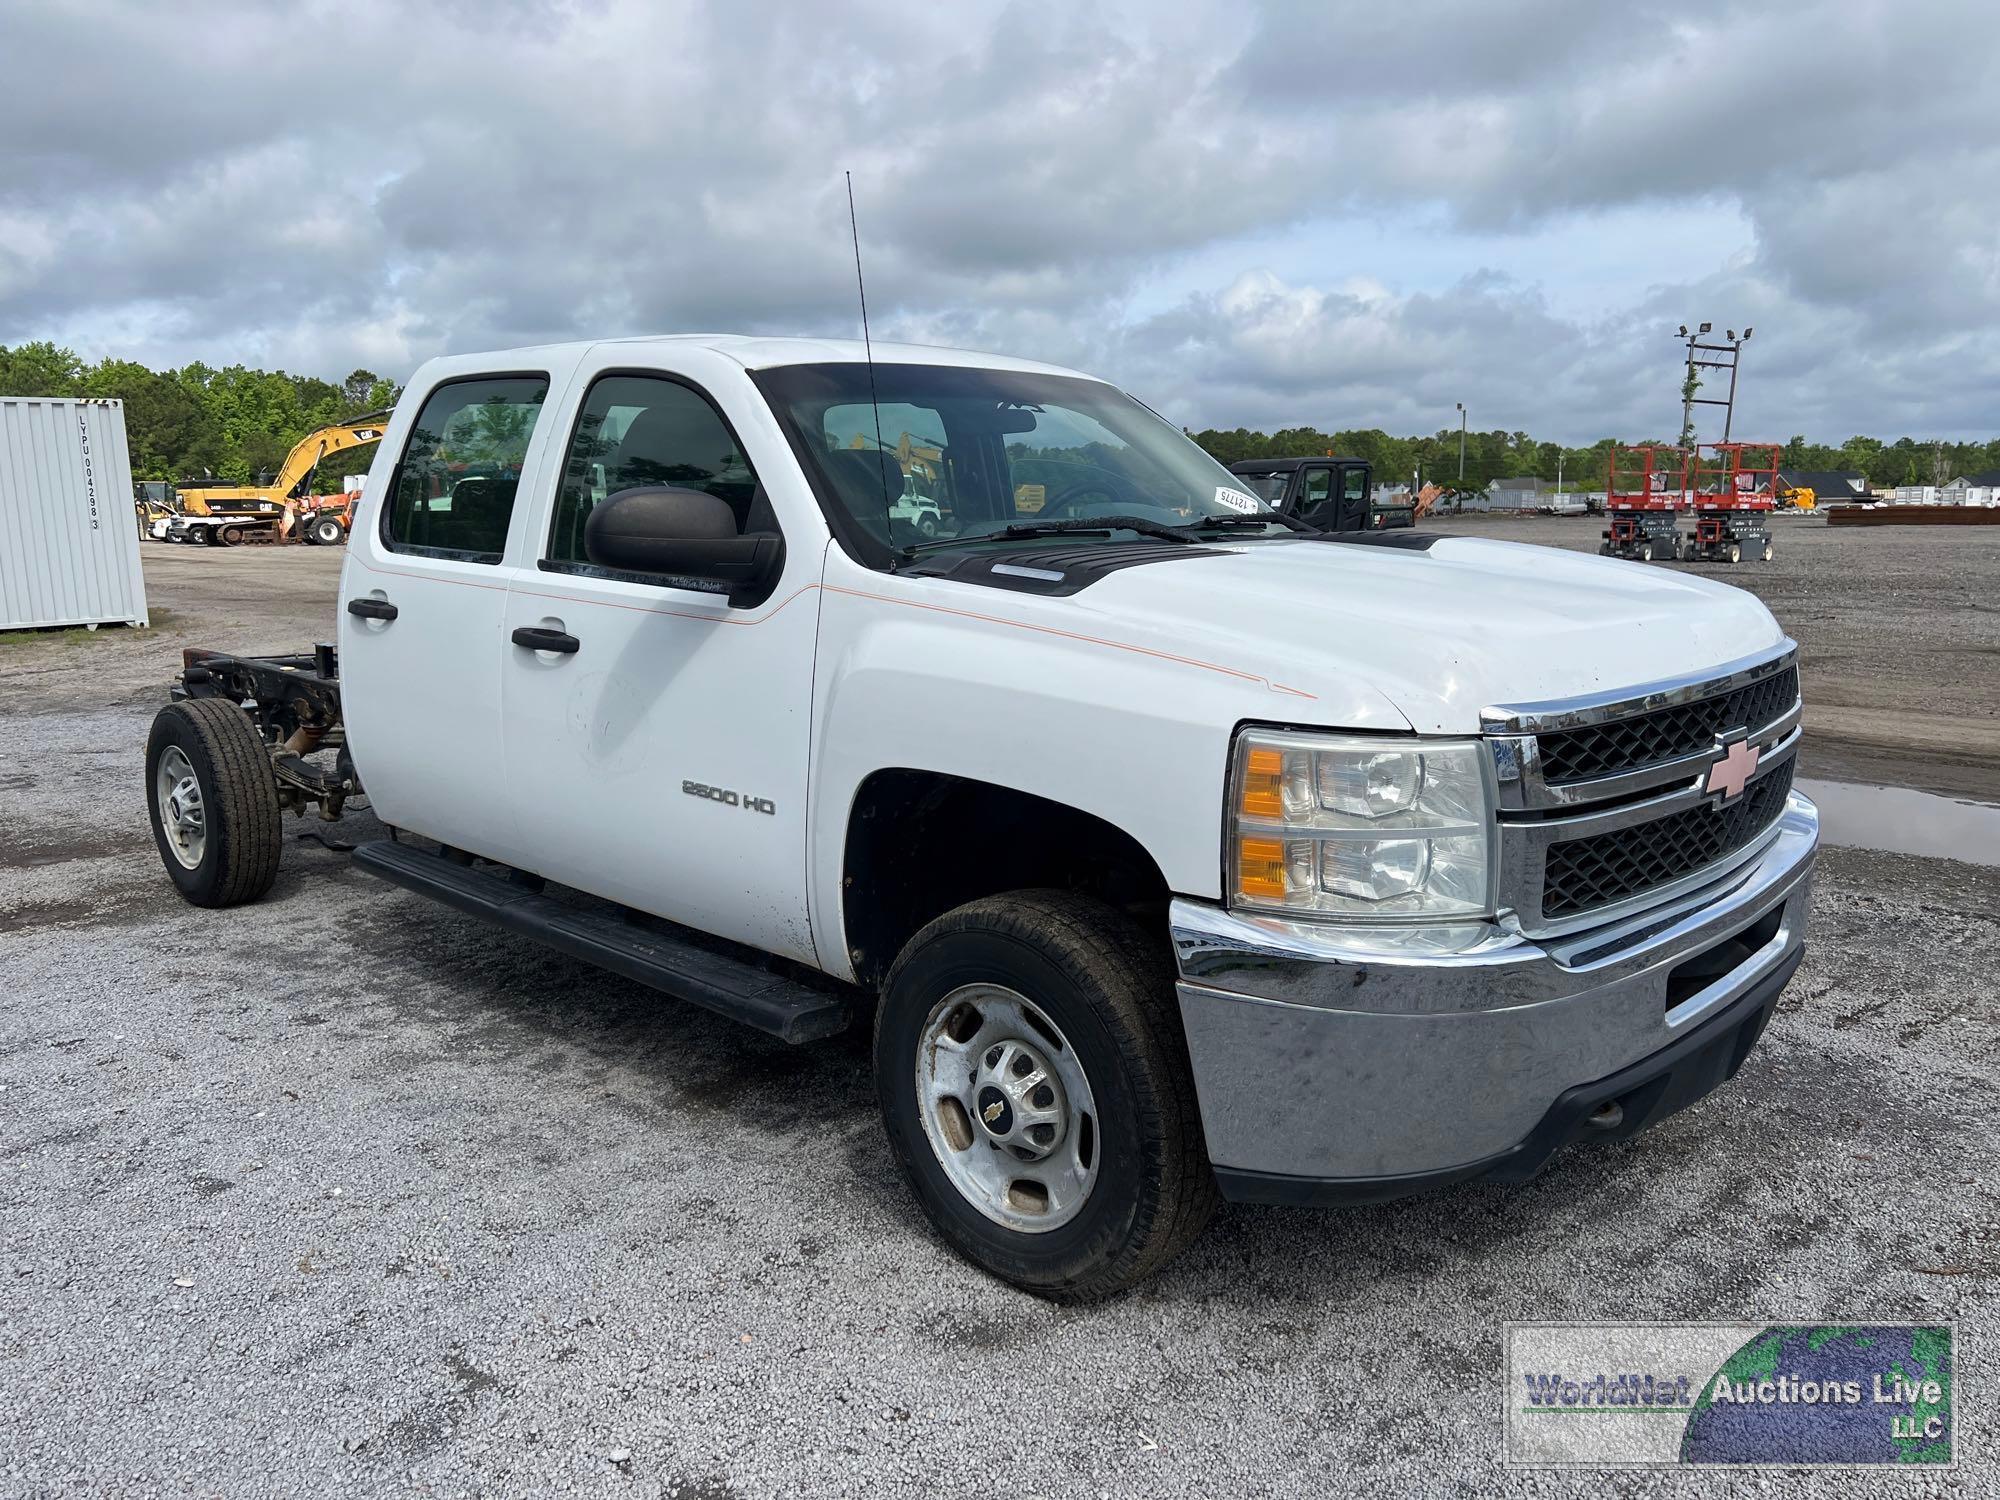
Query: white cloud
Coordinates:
[1507,205]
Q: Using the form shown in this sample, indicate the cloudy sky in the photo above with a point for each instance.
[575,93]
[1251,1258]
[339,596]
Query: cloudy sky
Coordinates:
[1264,214]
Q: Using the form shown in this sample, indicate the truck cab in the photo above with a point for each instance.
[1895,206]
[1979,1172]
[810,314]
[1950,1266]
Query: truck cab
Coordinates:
[1172,849]
[1332,494]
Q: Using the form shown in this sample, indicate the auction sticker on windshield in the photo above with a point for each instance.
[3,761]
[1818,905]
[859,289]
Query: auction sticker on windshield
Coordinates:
[1237,500]
[1741,1395]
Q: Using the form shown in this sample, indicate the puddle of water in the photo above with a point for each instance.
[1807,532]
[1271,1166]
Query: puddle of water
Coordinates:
[1902,821]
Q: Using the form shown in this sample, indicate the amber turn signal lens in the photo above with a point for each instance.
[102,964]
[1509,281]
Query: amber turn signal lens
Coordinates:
[1263,771]
[1260,868]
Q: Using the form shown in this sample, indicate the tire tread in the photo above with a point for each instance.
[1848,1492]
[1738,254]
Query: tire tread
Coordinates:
[249,832]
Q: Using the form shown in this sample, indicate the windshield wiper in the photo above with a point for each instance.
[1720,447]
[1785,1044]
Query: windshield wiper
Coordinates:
[1261,518]
[1076,525]
[1097,523]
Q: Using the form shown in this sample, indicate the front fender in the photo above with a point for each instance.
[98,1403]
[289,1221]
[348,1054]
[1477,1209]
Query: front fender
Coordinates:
[1042,695]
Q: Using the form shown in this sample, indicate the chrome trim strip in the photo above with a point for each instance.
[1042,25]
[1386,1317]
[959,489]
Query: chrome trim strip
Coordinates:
[1576,713]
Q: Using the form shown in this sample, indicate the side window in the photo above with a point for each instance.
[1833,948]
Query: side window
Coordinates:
[640,431]
[454,487]
[1318,485]
[1354,484]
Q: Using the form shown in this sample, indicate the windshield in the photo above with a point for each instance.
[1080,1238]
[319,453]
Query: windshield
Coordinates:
[943,454]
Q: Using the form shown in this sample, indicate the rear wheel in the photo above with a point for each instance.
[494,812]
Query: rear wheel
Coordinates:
[1645,552]
[1767,552]
[1035,1087]
[327,532]
[214,802]
[1735,553]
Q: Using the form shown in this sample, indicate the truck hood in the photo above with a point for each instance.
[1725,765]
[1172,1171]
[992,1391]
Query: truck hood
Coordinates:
[1444,630]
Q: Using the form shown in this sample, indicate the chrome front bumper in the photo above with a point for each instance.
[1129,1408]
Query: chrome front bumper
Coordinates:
[1361,1063]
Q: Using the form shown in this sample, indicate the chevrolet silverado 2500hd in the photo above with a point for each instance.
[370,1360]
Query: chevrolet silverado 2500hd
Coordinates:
[1181,851]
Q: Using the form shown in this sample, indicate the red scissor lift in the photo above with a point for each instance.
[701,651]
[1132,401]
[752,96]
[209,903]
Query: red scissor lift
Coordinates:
[1642,498]
[1735,488]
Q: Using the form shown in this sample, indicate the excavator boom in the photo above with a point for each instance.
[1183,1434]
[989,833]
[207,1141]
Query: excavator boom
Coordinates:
[299,464]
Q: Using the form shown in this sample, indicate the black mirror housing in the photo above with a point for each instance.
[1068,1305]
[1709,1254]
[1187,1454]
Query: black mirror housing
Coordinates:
[682,533]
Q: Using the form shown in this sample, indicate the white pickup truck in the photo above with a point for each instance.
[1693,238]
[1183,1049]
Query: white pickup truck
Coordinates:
[1179,852]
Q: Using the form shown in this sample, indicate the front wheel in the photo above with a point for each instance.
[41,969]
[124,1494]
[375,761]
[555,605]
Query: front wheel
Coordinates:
[327,533]
[1767,552]
[1645,552]
[1035,1086]
[214,802]
[1735,553]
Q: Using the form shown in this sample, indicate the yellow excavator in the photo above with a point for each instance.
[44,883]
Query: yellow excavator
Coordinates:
[1801,497]
[223,515]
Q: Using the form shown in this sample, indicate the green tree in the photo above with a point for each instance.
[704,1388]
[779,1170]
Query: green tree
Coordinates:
[39,369]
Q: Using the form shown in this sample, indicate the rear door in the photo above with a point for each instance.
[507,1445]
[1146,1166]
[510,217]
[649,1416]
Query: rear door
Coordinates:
[1351,503]
[423,602]
[658,758]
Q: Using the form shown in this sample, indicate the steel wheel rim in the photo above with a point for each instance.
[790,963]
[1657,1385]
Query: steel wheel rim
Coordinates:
[183,818]
[1007,1108]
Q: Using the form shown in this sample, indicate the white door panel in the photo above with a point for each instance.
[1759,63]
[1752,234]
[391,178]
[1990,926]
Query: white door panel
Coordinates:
[663,763]
[667,691]
[421,692]
[421,700]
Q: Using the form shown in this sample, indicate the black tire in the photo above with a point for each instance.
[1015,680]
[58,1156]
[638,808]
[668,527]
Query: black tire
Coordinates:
[327,533]
[1110,991]
[1645,552]
[1735,553]
[244,829]
[231,535]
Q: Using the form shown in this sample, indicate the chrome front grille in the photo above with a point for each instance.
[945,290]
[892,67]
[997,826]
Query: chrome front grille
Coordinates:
[1604,806]
[1665,734]
[1581,875]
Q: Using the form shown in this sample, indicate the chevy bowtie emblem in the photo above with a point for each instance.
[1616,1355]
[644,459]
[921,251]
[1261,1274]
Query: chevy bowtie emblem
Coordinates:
[1732,770]
[993,1111]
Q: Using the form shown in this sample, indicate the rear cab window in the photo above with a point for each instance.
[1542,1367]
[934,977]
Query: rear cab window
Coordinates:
[456,482]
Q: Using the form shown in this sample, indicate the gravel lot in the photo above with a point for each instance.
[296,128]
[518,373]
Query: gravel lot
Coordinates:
[345,1194]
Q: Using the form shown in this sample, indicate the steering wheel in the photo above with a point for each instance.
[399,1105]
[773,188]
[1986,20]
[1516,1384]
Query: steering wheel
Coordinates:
[1063,501]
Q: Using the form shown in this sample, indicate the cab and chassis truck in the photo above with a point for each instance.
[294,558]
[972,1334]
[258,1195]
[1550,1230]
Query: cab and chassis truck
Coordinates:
[1172,851]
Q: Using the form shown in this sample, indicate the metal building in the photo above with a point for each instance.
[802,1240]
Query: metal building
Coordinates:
[69,541]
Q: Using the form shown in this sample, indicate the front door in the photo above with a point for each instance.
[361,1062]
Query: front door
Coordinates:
[422,601]
[656,733]
[1315,495]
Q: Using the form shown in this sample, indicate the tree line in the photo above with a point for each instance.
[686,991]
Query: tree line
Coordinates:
[237,424]
[199,423]
[1516,455]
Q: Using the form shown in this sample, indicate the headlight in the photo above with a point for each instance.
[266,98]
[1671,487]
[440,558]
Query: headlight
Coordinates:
[1360,827]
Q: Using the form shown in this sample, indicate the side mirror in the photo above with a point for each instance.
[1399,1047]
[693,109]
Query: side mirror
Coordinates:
[683,534]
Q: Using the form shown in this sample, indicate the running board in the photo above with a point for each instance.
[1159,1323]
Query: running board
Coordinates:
[785,1008]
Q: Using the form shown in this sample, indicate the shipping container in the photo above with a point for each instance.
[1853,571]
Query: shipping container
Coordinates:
[69,537]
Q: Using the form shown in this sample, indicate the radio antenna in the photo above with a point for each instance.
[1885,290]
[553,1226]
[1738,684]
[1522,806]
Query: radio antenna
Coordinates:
[868,349]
